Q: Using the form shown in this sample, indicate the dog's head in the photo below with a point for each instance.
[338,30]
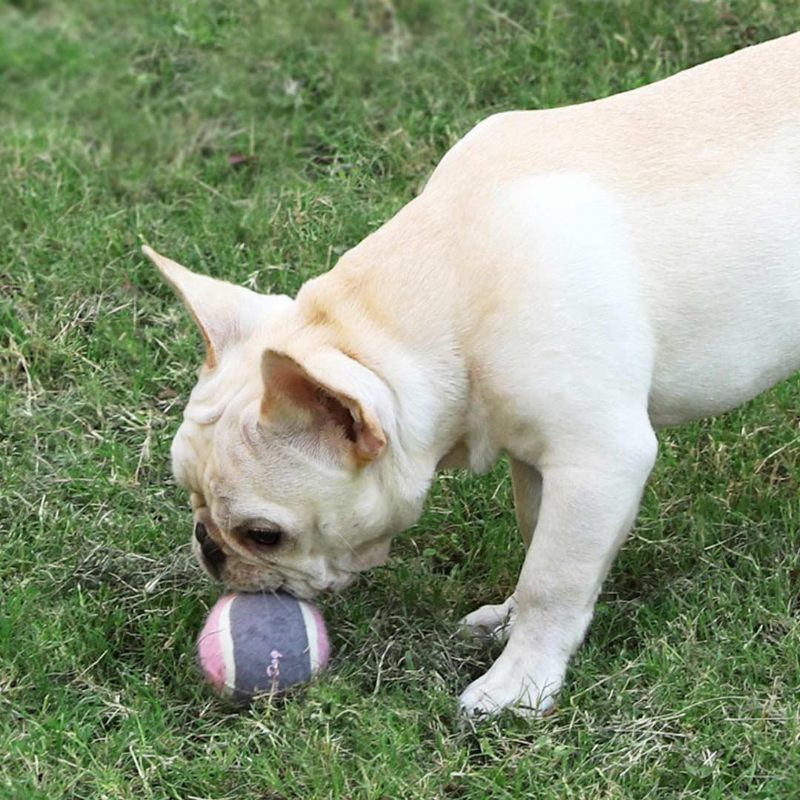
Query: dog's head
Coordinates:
[284,455]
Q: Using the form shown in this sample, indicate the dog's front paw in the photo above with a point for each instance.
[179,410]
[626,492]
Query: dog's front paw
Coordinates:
[508,684]
[491,622]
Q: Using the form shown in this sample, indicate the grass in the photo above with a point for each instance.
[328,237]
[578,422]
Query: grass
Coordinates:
[118,121]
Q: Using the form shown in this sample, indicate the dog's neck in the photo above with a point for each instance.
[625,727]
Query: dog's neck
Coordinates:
[368,306]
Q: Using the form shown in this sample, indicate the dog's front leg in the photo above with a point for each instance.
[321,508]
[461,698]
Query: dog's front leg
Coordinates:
[494,622]
[589,503]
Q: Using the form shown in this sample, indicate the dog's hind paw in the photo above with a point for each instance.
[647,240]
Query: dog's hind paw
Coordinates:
[491,622]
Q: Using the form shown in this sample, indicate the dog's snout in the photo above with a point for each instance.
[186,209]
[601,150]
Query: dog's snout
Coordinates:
[200,533]
[212,552]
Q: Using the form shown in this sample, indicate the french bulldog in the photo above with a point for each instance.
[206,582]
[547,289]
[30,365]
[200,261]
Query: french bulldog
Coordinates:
[567,282]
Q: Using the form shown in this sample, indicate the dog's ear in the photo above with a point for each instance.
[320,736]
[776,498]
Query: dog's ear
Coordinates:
[331,393]
[224,312]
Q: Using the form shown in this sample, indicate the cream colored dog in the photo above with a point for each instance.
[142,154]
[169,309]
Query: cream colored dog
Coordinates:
[568,281]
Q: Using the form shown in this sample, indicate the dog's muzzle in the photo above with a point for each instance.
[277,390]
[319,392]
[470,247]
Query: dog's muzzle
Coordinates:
[212,553]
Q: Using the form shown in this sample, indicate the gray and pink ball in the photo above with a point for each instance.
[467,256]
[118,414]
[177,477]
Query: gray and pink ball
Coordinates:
[261,643]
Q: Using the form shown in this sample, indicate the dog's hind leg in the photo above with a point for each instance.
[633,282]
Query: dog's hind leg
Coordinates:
[494,622]
[526,482]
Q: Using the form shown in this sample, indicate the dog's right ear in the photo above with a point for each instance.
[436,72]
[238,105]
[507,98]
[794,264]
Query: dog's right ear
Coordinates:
[224,313]
[333,395]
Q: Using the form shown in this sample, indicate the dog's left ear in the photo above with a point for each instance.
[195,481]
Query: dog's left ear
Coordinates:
[330,393]
[224,313]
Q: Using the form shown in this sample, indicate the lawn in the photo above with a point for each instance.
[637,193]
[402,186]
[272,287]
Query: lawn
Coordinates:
[257,141]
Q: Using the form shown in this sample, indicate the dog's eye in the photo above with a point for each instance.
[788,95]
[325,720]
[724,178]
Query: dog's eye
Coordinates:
[266,537]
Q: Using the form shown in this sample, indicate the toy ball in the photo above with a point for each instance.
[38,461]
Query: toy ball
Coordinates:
[261,643]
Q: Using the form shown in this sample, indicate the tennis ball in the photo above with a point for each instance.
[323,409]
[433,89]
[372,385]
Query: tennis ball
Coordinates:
[257,643]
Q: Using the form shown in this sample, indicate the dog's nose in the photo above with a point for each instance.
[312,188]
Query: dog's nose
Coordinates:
[212,552]
[200,532]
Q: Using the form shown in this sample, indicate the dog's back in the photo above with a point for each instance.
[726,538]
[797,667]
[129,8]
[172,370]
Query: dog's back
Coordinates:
[701,173]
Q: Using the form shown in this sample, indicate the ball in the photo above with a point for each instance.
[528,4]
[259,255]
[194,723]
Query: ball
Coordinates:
[261,643]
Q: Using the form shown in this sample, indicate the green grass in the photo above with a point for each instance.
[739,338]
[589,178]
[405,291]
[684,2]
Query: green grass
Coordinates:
[117,121]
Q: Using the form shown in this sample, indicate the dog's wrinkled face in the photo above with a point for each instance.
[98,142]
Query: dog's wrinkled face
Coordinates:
[277,459]
[272,508]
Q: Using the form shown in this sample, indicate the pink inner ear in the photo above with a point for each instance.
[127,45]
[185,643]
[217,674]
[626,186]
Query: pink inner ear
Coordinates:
[289,389]
[285,384]
[338,413]
[288,386]
[370,441]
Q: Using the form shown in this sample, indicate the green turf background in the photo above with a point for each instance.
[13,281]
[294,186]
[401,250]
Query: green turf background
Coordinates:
[117,124]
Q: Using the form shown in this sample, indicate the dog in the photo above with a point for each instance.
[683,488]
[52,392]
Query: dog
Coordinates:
[567,282]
